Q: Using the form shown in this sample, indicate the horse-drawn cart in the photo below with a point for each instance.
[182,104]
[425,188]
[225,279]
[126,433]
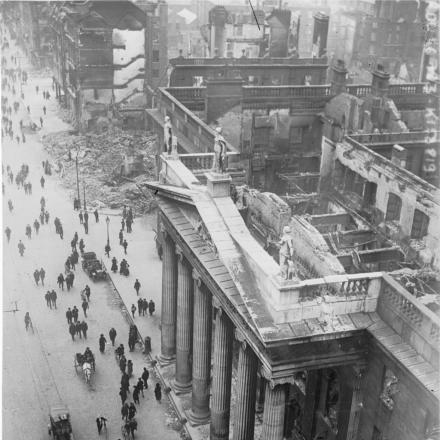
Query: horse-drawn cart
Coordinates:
[93,267]
[85,362]
[59,423]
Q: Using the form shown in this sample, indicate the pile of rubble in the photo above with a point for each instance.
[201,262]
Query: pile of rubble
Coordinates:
[103,159]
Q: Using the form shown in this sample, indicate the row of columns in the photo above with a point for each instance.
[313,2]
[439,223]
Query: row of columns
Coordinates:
[187,306]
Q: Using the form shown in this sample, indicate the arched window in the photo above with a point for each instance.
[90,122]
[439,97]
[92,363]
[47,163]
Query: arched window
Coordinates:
[393,208]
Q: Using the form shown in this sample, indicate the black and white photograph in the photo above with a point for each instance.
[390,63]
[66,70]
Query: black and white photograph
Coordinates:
[221,219]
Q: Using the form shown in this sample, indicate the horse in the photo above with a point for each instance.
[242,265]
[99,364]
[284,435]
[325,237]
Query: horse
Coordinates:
[87,370]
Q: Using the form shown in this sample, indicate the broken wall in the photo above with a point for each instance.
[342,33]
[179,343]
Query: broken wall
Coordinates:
[412,191]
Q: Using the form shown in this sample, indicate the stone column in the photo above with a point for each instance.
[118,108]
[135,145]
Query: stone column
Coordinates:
[246,393]
[274,410]
[261,392]
[222,374]
[182,383]
[201,371]
[169,300]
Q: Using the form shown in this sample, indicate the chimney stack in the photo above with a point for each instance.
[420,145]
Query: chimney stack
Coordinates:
[381,82]
[338,77]
[320,33]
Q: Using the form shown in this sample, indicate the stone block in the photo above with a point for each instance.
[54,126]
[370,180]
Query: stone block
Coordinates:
[218,184]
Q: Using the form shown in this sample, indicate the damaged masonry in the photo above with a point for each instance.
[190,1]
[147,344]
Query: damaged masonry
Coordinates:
[282,165]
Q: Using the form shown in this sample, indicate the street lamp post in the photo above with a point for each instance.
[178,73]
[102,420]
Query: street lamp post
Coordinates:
[84,186]
[77,179]
[107,220]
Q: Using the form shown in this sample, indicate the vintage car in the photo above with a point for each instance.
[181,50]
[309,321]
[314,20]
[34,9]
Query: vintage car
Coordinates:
[59,426]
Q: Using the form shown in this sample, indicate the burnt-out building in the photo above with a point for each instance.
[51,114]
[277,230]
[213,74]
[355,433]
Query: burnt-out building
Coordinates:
[106,54]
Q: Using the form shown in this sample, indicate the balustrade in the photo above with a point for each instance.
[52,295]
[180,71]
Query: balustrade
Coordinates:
[318,288]
[285,91]
[359,89]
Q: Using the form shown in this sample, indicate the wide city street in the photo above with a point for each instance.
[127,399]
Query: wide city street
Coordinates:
[38,365]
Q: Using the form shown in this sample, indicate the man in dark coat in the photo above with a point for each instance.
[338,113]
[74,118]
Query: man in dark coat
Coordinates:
[60,281]
[124,411]
[151,307]
[131,411]
[87,291]
[78,329]
[42,275]
[84,328]
[69,316]
[145,376]
[53,298]
[123,364]
[136,395]
[86,217]
[75,314]
[48,301]
[121,237]
[112,334]
[144,307]
[137,286]
[140,386]
[85,306]
[81,218]
[125,244]
[36,276]
[140,306]
[72,330]
[123,394]
[125,382]
[95,212]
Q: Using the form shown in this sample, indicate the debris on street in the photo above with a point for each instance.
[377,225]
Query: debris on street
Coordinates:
[112,164]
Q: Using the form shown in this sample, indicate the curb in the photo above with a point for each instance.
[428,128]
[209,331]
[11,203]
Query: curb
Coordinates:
[153,362]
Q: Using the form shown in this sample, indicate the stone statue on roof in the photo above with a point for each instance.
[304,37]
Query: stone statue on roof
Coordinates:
[167,135]
[220,150]
[286,252]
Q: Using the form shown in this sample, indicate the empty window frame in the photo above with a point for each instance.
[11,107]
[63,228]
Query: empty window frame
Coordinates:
[394,207]
[420,224]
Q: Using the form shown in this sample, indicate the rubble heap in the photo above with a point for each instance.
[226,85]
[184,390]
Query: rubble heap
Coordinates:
[102,165]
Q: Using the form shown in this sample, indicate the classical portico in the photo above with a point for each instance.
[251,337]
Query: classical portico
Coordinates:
[222,290]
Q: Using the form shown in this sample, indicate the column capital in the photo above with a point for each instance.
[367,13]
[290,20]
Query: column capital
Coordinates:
[216,304]
[179,253]
[273,382]
[240,337]
[163,231]
[197,277]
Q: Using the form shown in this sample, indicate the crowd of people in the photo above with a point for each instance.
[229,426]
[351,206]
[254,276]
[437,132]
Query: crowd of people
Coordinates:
[18,119]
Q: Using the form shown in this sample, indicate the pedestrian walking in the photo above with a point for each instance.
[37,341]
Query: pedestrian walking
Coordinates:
[87,291]
[102,342]
[36,89]
[144,306]
[23,138]
[46,216]
[36,226]
[133,309]
[124,411]
[42,181]
[42,275]
[145,376]
[151,307]
[75,313]
[123,394]
[121,237]
[81,218]
[84,328]
[125,244]
[86,217]
[28,322]
[112,335]
[69,316]
[158,392]
[95,212]
[99,425]
[61,232]
[41,122]
[85,306]
[60,281]
[78,329]
[28,109]
[86,227]
[122,225]
[72,330]
[140,306]
[48,301]
[131,411]
[53,298]
[130,368]
[125,382]
[137,286]
[107,250]
[123,364]
[136,395]
[44,110]
[36,276]
[8,233]
[140,386]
